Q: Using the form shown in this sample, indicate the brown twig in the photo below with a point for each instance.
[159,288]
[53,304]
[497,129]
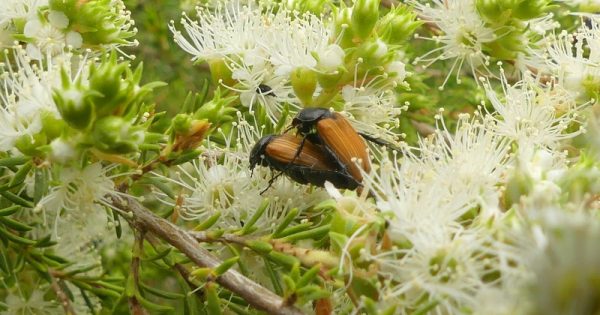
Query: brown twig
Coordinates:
[62,296]
[135,307]
[256,295]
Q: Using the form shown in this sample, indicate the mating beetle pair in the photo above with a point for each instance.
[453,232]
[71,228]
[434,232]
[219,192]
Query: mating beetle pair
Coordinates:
[327,148]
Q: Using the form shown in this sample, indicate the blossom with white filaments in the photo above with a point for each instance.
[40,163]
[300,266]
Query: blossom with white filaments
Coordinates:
[463,34]
[532,114]
[25,97]
[258,85]
[575,58]
[442,179]
[26,92]
[78,189]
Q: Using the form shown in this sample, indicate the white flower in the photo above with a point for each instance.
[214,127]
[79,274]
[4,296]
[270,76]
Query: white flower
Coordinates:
[34,304]
[207,186]
[78,190]
[230,30]
[442,179]
[26,87]
[534,115]
[330,58]
[575,58]
[444,269]
[372,110]
[463,34]
[258,86]
[25,98]
[62,151]
[18,9]
[535,41]
[296,39]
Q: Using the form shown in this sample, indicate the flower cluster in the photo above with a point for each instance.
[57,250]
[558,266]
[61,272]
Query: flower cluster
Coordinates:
[479,196]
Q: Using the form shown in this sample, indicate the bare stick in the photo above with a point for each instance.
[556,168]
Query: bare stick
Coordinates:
[256,295]
[62,296]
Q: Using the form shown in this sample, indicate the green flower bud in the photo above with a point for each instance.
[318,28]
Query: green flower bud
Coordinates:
[113,90]
[217,111]
[530,9]
[331,59]
[304,82]
[62,151]
[181,123]
[501,11]
[314,6]
[52,126]
[507,46]
[494,10]
[31,145]
[342,20]
[97,22]
[374,53]
[398,25]
[365,15]
[116,135]
[329,80]
[582,178]
[74,103]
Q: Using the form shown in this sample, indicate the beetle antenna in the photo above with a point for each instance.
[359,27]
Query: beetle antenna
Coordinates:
[381,142]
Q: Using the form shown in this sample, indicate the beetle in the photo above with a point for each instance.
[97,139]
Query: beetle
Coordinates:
[309,164]
[338,137]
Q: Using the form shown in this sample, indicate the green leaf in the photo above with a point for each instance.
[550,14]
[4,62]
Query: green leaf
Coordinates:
[295,229]
[213,304]
[117,221]
[315,234]
[226,265]
[14,161]
[159,255]
[16,199]
[14,224]
[286,222]
[283,259]
[21,174]
[186,157]
[87,301]
[161,293]
[208,223]
[163,187]
[39,267]
[40,186]
[16,238]
[259,212]
[312,292]
[5,263]
[261,247]
[273,276]
[308,276]
[9,210]
[152,306]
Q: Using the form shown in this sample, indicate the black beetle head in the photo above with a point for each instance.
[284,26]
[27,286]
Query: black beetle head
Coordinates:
[258,151]
[308,117]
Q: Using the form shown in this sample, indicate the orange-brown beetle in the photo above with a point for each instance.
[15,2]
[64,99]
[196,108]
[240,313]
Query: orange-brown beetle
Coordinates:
[301,160]
[337,136]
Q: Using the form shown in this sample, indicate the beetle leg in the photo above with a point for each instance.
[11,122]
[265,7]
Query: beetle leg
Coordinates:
[271,181]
